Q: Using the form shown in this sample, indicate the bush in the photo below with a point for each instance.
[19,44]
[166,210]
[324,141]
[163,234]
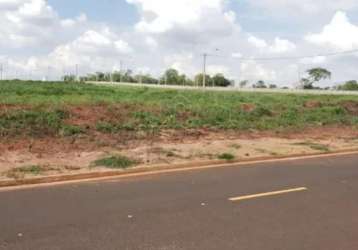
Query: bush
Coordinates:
[115,162]
[226,156]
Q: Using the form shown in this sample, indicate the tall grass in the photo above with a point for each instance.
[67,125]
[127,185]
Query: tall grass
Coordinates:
[152,109]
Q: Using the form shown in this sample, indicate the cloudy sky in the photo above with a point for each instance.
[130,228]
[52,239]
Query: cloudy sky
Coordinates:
[40,38]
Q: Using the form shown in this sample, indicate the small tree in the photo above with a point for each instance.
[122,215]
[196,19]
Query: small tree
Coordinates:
[69,78]
[171,77]
[220,81]
[260,85]
[315,75]
[243,83]
[199,80]
[350,86]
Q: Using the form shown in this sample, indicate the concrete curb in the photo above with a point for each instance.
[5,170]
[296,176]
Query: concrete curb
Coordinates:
[162,169]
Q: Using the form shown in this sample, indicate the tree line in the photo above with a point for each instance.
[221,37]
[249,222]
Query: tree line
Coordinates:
[170,77]
[173,77]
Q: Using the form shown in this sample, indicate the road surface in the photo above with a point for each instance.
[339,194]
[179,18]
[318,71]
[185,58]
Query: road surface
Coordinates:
[293,205]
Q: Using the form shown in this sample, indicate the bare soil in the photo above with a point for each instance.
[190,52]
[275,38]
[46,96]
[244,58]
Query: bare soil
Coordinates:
[76,154]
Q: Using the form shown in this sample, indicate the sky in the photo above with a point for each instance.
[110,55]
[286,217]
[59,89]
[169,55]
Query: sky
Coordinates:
[46,39]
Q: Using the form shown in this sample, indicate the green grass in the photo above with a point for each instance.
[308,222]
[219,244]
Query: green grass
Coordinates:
[20,172]
[226,156]
[115,162]
[46,112]
[314,146]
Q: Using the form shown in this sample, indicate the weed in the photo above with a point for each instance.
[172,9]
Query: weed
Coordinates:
[152,110]
[314,146]
[226,156]
[20,172]
[71,130]
[115,162]
[235,146]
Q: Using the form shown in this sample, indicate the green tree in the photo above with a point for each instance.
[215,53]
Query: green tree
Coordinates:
[260,85]
[272,86]
[69,78]
[219,80]
[147,78]
[315,75]
[243,83]
[199,80]
[128,77]
[171,77]
[350,86]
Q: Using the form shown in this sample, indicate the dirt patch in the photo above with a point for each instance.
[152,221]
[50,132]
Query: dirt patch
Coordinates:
[351,107]
[248,107]
[313,104]
[22,163]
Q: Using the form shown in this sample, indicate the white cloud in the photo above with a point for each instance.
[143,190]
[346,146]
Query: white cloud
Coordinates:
[122,47]
[254,71]
[282,46]
[160,15]
[306,6]
[278,46]
[236,55]
[338,34]
[34,23]
[151,42]
[314,60]
[257,42]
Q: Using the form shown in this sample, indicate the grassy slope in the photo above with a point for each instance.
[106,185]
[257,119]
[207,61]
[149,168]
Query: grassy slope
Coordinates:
[47,110]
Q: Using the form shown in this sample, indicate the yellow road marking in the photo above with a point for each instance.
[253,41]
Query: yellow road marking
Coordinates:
[254,196]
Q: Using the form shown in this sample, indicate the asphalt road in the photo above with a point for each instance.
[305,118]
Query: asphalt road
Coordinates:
[192,210]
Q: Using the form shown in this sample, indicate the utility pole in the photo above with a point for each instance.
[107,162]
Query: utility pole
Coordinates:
[77,72]
[120,70]
[48,74]
[1,71]
[299,75]
[204,69]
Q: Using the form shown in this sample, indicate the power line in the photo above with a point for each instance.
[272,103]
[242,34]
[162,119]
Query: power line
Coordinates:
[286,58]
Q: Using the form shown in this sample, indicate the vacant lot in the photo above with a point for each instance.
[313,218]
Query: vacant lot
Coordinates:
[78,121]
[40,109]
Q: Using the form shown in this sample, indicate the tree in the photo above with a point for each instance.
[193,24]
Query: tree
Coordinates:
[171,77]
[69,78]
[272,86]
[315,75]
[127,77]
[260,85]
[350,86]
[199,80]
[146,79]
[219,80]
[243,83]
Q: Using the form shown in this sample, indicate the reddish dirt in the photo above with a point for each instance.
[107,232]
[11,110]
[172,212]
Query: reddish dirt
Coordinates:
[88,116]
[313,104]
[351,107]
[127,140]
[248,107]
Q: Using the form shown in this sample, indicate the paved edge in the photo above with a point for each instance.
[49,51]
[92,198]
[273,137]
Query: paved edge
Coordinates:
[157,169]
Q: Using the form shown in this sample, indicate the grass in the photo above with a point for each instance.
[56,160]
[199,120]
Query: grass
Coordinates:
[20,172]
[314,146]
[235,146]
[45,109]
[226,156]
[115,162]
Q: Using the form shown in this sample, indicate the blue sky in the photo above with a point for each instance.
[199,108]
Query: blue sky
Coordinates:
[111,11]
[149,36]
